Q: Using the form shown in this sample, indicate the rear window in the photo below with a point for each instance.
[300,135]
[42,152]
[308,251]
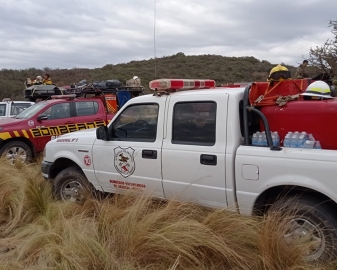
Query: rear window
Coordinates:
[194,123]
[18,108]
[84,108]
[32,110]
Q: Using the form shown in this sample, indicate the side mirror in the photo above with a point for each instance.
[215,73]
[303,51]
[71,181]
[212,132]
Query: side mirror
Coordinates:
[102,133]
[42,117]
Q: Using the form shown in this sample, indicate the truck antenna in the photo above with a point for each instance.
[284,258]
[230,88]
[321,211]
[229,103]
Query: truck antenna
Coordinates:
[154,40]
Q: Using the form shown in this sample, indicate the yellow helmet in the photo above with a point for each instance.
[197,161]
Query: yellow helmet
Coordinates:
[318,89]
[279,73]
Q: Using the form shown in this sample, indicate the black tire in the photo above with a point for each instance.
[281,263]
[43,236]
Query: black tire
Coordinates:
[16,150]
[71,185]
[310,213]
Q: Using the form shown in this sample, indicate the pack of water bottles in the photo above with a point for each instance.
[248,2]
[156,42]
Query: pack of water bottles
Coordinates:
[260,139]
[301,140]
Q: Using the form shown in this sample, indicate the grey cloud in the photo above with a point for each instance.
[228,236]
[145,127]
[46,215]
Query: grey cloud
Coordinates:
[88,33]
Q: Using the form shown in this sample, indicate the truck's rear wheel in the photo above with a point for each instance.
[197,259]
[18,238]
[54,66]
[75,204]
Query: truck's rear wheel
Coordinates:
[313,218]
[16,150]
[71,185]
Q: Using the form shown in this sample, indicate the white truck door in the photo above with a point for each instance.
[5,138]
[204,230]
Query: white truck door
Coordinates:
[131,159]
[194,149]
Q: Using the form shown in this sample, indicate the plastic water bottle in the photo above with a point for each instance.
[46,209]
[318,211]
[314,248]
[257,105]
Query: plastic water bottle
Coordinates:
[311,137]
[308,144]
[273,139]
[264,140]
[300,141]
[287,141]
[293,142]
[290,135]
[297,133]
[260,140]
[263,133]
[306,136]
[277,138]
[317,145]
[254,139]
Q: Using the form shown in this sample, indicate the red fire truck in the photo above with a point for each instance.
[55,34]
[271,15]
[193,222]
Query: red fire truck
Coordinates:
[27,134]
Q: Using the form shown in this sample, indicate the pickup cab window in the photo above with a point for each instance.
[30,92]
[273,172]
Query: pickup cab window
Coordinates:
[31,111]
[137,123]
[194,123]
[2,109]
[84,108]
[18,108]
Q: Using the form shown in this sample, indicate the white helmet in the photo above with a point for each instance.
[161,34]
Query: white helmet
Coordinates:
[135,77]
[318,89]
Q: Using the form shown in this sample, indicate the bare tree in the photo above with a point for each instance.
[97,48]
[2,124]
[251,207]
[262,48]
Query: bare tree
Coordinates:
[324,58]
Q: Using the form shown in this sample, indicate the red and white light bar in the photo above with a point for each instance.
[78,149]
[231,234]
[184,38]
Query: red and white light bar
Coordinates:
[180,84]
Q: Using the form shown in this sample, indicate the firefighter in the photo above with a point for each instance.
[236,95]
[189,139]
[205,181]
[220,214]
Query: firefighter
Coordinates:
[27,83]
[301,70]
[279,73]
[46,79]
[317,90]
[38,80]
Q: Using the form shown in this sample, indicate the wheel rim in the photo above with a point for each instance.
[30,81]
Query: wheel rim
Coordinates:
[72,191]
[301,228]
[16,153]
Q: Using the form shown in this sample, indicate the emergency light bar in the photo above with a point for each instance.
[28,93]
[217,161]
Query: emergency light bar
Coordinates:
[180,84]
[72,96]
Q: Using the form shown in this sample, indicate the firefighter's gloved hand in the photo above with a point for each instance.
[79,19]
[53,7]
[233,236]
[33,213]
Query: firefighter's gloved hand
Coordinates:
[283,100]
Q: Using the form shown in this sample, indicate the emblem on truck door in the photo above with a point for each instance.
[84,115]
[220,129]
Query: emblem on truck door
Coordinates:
[124,161]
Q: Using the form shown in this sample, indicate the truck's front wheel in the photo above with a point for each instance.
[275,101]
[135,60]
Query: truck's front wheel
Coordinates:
[313,218]
[16,150]
[71,185]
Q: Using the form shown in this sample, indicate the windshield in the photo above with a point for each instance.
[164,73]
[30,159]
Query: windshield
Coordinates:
[31,111]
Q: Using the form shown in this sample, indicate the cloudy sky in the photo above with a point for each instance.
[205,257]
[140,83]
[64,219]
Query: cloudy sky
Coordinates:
[93,33]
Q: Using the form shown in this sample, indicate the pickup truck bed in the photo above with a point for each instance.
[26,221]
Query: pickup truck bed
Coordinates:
[12,108]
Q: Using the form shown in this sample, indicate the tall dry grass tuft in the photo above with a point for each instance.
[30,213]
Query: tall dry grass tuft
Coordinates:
[12,182]
[274,252]
[132,232]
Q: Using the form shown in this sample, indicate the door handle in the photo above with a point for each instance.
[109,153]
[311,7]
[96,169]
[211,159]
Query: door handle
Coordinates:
[149,154]
[208,159]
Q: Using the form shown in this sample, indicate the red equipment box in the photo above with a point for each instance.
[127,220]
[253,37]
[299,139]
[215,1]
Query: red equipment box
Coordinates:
[312,116]
[272,90]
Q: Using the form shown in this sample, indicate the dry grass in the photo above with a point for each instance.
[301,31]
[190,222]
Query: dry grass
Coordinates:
[131,232]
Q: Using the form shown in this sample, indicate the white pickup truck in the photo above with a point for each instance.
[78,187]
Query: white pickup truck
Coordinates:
[13,108]
[196,146]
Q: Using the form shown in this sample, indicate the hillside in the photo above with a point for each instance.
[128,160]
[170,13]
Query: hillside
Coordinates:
[220,68]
